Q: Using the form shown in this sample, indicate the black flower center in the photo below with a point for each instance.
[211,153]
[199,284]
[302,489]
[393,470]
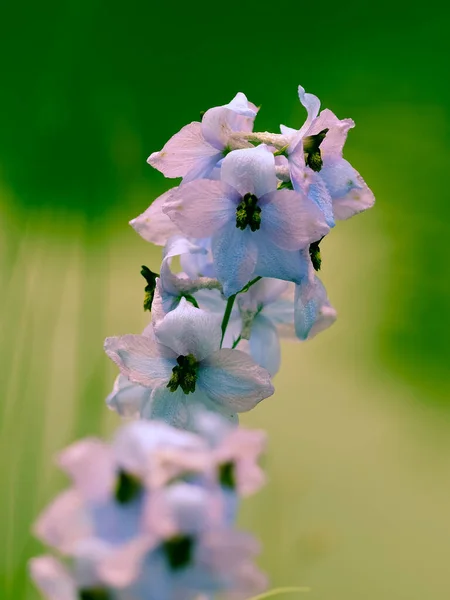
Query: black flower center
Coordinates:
[314,253]
[248,213]
[149,290]
[227,475]
[184,374]
[128,487]
[311,148]
[94,594]
[178,551]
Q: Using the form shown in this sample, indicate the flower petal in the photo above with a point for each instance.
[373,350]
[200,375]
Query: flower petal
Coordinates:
[313,312]
[232,379]
[220,122]
[349,192]
[65,522]
[128,398]
[189,330]
[141,359]
[235,254]
[335,138]
[251,170]
[291,220]
[153,225]
[167,406]
[90,464]
[52,578]
[265,345]
[312,105]
[183,152]
[201,208]
[274,262]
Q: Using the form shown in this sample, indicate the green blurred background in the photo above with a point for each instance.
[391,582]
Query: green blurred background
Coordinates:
[359,458]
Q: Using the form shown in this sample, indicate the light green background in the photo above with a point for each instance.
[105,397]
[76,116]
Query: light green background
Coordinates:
[357,504]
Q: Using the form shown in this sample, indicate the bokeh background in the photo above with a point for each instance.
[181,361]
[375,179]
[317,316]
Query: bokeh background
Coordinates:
[359,457]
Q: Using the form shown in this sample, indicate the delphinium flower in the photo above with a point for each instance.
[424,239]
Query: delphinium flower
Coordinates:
[192,153]
[256,229]
[183,364]
[148,517]
[316,164]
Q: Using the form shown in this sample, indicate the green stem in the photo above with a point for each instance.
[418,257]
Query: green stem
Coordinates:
[236,342]
[230,304]
[227,315]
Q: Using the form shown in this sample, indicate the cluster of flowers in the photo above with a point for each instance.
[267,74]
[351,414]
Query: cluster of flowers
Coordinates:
[152,516]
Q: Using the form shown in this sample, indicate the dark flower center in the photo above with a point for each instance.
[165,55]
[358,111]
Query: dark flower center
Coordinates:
[248,213]
[128,487]
[311,149]
[184,374]
[227,475]
[178,551]
[314,253]
[94,594]
[149,290]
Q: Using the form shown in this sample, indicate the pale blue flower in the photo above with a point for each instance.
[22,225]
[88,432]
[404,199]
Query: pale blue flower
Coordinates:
[255,228]
[184,366]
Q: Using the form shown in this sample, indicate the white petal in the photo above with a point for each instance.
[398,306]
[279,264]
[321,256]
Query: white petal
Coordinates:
[141,359]
[231,378]
[190,330]
[250,171]
[202,207]
[65,522]
[153,225]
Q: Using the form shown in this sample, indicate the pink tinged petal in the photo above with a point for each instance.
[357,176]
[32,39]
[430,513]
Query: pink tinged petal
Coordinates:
[235,255]
[52,578]
[141,359]
[121,566]
[201,208]
[154,225]
[250,171]
[291,220]
[64,523]
[90,464]
[183,152]
[232,379]
[335,138]
[189,330]
[137,445]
